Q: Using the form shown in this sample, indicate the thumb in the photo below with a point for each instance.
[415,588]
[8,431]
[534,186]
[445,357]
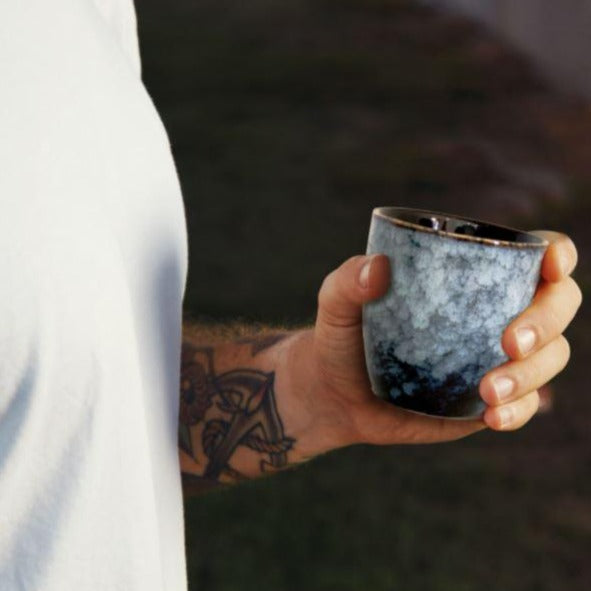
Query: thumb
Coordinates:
[338,340]
[358,280]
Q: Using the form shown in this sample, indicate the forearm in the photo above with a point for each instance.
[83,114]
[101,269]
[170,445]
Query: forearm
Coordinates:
[241,413]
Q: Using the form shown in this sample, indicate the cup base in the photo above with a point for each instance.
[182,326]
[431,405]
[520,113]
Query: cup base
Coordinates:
[467,406]
[464,417]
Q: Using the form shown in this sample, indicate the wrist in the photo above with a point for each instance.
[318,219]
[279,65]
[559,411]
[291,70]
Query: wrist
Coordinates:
[312,417]
[293,391]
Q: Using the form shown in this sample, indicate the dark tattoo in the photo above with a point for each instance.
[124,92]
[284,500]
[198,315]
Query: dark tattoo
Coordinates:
[197,391]
[262,342]
[221,414]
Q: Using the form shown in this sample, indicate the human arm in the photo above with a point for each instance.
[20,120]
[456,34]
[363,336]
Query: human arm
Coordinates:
[255,406]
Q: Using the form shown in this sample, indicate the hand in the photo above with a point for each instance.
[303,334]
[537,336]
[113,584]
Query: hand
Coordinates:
[534,341]
[344,410]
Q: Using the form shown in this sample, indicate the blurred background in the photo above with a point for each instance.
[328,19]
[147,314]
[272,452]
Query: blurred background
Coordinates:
[290,120]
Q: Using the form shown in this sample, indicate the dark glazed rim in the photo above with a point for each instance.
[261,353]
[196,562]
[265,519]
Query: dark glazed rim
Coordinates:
[389,214]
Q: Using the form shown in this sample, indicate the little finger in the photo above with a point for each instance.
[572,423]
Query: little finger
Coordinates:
[512,416]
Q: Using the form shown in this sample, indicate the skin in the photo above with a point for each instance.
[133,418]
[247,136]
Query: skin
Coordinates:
[321,393]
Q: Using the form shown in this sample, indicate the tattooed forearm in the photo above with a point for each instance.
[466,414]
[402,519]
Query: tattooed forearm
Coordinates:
[230,428]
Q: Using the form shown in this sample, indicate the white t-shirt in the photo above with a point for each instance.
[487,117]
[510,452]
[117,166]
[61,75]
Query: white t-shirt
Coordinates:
[92,264]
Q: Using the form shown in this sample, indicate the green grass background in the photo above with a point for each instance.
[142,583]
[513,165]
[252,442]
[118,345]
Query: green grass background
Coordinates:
[290,120]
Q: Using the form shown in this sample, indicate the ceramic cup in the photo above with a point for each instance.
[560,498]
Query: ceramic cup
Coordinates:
[456,284]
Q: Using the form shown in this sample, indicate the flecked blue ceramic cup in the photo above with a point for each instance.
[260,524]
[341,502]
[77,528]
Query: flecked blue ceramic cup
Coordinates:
[456,284]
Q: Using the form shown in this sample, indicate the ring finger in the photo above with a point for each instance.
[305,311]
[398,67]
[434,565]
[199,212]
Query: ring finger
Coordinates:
[552,310]
[513,380]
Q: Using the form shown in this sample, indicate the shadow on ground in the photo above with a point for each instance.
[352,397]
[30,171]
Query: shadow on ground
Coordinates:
[290,121]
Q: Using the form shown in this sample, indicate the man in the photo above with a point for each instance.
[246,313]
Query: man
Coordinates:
[94,261]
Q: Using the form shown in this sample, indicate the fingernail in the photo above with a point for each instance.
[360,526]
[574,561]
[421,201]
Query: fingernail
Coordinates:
[364,274]
[506,416]
[503,387]
[526,339]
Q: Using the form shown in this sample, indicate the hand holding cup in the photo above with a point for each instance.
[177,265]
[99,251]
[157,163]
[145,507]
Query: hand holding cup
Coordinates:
[335,404]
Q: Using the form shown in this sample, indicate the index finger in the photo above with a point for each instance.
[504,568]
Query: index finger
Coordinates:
[561,257]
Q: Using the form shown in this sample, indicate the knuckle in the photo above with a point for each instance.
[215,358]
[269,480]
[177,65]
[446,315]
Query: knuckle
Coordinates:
[328,287]
[534,403]
[521,382]
[333,319]
[573,250]
[337,279]
[548,325]
[539,369]
[526,409]
[552,324]
[578,294]
[324,290]
[565,349]
[338,304]
[535,373]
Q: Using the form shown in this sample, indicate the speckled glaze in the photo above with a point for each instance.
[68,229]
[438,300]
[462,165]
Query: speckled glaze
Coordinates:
[433,336]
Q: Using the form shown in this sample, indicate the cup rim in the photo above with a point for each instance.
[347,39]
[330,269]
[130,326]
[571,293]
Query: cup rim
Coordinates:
[388,213]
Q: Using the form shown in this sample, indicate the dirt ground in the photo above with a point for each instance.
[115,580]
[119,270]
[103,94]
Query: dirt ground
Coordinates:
[289,122]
